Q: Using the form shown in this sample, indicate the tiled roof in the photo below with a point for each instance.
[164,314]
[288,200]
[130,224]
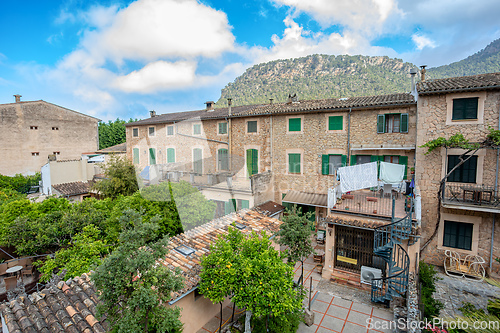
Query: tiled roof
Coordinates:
[200,239]
[285,108]
[357,221]
[69,307]
[269,208]
[42,101]
[456,84]
[119,148]
[73,188]
[305,198]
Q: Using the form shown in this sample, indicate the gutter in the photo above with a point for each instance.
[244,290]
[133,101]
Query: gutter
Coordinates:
[204,139]
[182,296]
[457,90]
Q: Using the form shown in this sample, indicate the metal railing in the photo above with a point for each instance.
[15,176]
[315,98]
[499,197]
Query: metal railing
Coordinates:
[471,194]
[370,203]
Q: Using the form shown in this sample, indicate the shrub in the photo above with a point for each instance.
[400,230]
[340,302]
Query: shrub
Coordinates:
[428,278]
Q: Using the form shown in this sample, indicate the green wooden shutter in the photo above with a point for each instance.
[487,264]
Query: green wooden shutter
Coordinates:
[354,159]
[325,164]
[170,155]
[222,128]
[136,155]
[335,123]
[152,156]
[229,207]
[470,111]
[376,158]
[223,161]
[294,124]
[245,204]
[381,123]
[344,160]
[252,161]
[197,161]
[404,123]
[404,161]
[252,126]
[294,163]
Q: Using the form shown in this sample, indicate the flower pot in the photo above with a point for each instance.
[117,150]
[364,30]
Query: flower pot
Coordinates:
[319,269]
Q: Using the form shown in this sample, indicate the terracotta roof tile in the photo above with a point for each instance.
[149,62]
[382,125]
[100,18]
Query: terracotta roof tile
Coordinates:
[456,84]
[355,221]
[73,188]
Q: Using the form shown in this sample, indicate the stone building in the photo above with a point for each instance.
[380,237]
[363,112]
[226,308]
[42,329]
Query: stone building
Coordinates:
[466,222]
[33,130]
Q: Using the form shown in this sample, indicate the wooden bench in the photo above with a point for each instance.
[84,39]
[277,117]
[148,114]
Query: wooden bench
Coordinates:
[470,266]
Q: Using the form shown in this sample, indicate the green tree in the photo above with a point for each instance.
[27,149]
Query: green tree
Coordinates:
[295,232]
[111,133]
[133,287]
[255,274]
[83,254]
[120,178]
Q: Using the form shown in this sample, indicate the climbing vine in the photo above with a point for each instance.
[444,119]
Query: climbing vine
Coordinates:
[459,141]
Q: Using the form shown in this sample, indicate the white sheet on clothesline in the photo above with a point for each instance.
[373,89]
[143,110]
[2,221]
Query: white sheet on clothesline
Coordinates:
[357,177]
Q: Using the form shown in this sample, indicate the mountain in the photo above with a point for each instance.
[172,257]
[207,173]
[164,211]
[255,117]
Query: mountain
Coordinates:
[327,76]
[484,61]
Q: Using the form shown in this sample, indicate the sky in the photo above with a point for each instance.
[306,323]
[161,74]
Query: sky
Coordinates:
[120,59]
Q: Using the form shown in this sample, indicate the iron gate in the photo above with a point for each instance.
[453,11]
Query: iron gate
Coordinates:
[353,248]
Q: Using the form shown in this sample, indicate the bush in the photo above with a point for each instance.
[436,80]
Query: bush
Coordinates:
[428,278]
[288,323]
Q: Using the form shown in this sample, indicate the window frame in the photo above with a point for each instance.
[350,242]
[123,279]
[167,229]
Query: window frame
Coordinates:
[289,154]
[464,111]
[289,118]
[149,131]
[460,233]
[329,122]
[167,130]
[404,122]
[256,126]
[461,170]
[481,95]
[219,127]
[196,126]
[326,166]
[133,130]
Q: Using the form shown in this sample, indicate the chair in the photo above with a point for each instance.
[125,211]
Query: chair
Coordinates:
[387,189]
[320,237]
[10,283]
[470,266]
[27,271]
[3,269]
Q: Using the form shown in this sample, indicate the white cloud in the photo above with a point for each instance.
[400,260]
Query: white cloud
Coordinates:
[422,41]
[159,75]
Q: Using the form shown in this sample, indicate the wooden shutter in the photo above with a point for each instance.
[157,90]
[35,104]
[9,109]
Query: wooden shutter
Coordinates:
[344,160]
[252,161]
[197,161]
[325,164]
[294,124]
[170,155]
[381,123]
[294,163]
[152,156]
[223,161]
[222,128]
[404,123]
[136,155]
[252,126]
[470,111]
[353,159]
[245,204]
[335,123]
[404,161]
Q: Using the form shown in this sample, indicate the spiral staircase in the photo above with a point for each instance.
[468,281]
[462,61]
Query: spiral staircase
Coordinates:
[387,245]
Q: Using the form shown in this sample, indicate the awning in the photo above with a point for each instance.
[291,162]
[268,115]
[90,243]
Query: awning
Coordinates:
[381,147]
[304,198]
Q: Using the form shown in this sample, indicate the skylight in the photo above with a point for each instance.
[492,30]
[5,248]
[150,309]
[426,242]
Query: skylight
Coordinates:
[185,250]
[239,225]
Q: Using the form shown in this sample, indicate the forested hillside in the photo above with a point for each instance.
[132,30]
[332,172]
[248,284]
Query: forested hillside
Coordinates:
[328,76]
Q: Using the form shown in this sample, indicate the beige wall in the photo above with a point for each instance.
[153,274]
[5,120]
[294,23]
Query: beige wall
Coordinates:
[434,114]
[76,134]
[71,171]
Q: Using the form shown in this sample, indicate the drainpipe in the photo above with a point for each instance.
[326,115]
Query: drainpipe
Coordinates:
[349,138]
[494,215]
[271,130]
[229,132]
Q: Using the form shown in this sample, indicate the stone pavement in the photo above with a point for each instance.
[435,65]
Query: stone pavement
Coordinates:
[454,292]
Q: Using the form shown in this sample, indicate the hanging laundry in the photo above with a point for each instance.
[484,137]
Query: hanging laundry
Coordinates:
[357,177]
[332,198]
[391,173]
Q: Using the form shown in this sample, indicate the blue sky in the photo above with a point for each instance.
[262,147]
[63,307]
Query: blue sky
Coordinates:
[121,59]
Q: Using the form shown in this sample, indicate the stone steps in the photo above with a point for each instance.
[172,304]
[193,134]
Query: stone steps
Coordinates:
[348,278]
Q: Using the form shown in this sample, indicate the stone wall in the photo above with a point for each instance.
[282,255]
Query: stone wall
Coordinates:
[30,131]
[434,120]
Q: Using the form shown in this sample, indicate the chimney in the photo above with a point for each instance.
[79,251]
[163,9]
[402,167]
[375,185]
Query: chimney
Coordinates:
[18,98]
[292,98]
[152,113]
[210,105]
[413,72]
[229,103]
[422,72]
[270,100]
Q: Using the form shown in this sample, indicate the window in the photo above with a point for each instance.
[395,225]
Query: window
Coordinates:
[391,159]
[222,128]
[170,155]
[458,235]
[151,131]
[57,153]
[466,173]
[335,123]
[464,108]
[252,126]
[152,156]
[295,124]
[392,123]
[243,204]
[294,163]
[55,128]
[229,206]
[330,163]
[196,129]
[222,159]
[198,161]
[35,153]
[252,161]
[185,250]
[135,132]
[170,130]
[33,127]
[360,159]
[135,152]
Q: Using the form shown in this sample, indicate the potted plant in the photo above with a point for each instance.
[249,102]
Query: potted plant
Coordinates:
[319,268]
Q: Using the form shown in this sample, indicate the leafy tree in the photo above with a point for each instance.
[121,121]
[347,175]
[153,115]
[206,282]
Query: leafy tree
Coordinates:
[295,232]
[254,273]
[19,183]
[112,133]
[133,287]
[428,278]
[120,178]
[83,254]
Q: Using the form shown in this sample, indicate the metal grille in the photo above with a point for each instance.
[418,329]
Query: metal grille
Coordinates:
[353,248]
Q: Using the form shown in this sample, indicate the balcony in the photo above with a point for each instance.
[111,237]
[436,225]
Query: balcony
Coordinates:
[482,198]
[373,203]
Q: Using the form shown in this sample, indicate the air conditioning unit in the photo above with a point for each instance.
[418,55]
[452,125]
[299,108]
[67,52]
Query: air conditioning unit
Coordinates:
[369,273]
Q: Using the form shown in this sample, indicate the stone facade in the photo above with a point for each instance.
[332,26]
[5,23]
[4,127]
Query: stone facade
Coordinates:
[30,131]
[434,114]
